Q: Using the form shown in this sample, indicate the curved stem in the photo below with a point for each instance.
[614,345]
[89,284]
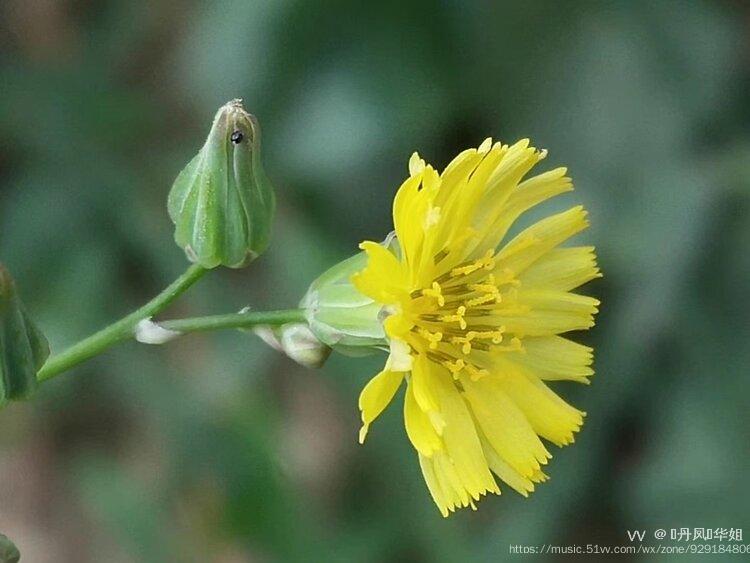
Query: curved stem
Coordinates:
[120,330]
[234,320]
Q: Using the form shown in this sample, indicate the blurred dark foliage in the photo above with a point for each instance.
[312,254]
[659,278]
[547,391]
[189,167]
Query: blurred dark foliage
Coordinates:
[215,448]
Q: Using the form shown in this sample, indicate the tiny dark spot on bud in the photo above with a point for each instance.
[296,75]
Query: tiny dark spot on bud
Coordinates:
[237,137]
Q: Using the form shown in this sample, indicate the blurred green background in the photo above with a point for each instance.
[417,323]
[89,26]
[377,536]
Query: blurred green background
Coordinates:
[216,448]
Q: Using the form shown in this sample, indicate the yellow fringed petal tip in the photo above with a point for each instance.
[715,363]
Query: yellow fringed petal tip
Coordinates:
[475,321]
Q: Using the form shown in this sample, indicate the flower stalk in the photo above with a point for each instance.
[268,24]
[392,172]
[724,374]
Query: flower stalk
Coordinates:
[234,320]
[125,328]
[120,330]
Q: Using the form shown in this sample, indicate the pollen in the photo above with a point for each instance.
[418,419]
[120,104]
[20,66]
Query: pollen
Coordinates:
[458,317]
[432,337]
[482,299]
[487,262]
[464,342]
[454,367]
[436,292]
[476,373]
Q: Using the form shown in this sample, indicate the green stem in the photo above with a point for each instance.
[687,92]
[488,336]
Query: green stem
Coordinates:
[120,330]
[235,320]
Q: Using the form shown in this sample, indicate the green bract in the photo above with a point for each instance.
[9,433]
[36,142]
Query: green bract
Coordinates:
[23,348]
[297,341]
[339,315]
[222,202]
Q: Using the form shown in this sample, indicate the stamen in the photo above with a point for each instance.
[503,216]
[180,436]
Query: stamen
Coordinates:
[430,317]
[458,317]
[476,373]
[464,341]
[487,287]
[480,313]
[483,327]
[515,346]
[432,337]
[440,255]
[495,335]
[436,292]
[481,300]
[455,290]
[455,367]
[487,262]
[437,357]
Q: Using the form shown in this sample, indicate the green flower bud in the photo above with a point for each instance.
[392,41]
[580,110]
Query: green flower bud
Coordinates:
[296,341]
[23,348]
[342,317]
[8,552]
[222,202]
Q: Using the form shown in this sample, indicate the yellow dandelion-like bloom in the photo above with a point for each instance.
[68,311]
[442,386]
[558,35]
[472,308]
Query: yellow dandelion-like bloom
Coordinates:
[474,322]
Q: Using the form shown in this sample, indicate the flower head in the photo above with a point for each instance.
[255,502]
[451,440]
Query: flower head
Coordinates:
[474,322]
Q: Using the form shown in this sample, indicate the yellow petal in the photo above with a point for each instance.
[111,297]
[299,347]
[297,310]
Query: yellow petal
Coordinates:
[464,183]
[416,164]
[406,216]
[555,358]
[537,189]
[397,326]
[506,427]
[424,393]
[444,500]
[500,216]
[562,269]
[384,279]
[535,241]
[521,484]
[418,426]
[375,397]
[550,416]
[460,438]
[550,312]
[518,160]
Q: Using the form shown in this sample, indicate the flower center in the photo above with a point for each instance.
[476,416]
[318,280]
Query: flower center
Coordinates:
[456,317]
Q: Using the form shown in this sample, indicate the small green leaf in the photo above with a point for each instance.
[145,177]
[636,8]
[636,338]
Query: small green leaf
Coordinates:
[222,203]
[8,552]
[23,348]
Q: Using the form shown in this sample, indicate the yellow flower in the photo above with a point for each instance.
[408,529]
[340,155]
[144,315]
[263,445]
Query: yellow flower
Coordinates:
[474,322]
